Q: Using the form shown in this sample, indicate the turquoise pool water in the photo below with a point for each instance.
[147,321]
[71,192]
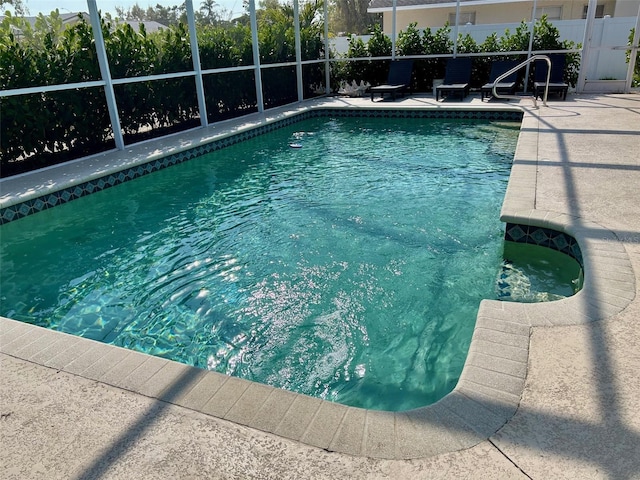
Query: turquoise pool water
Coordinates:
[349,269]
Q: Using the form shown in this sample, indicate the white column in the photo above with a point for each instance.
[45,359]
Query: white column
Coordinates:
[455,30]
[327,64]
[531,36]
[296,29]
[195,55]
[256,54]
[103,62]
[393,29]
[586,43]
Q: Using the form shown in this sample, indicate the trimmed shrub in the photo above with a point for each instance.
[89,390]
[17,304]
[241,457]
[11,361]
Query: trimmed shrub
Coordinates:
[43,129]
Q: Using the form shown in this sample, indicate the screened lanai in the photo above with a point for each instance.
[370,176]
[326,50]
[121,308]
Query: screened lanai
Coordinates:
[78,83]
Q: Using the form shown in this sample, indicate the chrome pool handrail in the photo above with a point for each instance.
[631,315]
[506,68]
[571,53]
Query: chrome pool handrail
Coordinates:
[518,67]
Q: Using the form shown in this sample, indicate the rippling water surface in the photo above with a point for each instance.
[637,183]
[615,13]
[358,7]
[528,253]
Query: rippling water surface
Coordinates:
[350,269]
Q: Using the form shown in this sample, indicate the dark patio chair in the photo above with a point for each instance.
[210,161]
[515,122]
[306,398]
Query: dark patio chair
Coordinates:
[456,79]
[398,81]
[557,85]
[507,85]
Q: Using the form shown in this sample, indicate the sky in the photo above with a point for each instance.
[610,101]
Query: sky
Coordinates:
[66,6]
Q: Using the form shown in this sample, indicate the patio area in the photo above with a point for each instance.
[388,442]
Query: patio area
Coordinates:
[578,391]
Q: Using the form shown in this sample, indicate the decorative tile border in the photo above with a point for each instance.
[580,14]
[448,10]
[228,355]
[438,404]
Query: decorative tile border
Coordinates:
[507,115]
[35,205]
[544,237]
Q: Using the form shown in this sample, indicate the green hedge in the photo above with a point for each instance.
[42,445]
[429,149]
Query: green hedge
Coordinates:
[47,128]
[412,42]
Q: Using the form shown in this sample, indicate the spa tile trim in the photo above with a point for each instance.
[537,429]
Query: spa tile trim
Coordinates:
[544,237]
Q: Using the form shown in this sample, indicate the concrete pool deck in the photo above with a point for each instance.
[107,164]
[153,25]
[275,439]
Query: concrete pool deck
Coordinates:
[549,390]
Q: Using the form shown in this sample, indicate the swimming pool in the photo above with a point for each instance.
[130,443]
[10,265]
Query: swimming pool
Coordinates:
[103,251]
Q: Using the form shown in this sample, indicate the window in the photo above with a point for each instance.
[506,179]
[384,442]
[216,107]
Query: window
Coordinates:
[552,13]
[599,11]
[465,18]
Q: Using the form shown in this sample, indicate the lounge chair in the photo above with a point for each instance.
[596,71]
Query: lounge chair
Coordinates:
[398,81]
[456,78]
[556,80]
[507,85]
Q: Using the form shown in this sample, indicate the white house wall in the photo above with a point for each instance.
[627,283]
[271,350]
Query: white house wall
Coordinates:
[626,8]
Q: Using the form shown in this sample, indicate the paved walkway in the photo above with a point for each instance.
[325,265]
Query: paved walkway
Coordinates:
[577,416]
